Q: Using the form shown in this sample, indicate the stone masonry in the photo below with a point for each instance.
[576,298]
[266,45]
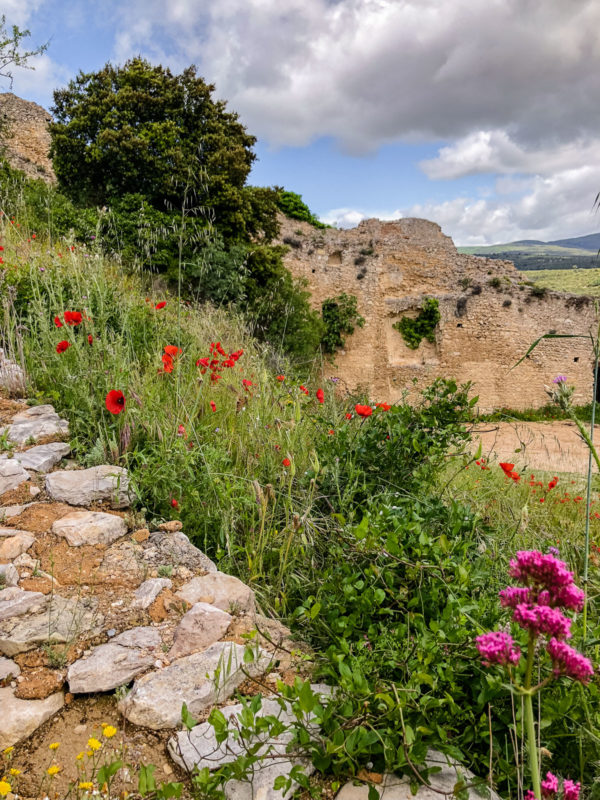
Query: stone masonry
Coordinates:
[490,316]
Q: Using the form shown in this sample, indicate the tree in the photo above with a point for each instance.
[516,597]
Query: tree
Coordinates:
[139,129]
[11,53]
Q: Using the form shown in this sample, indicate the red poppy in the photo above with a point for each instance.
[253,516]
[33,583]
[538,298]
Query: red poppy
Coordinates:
[181,431]
[213,405]
[90,338]
[1,248]
[229,363]
[363,411]
[73,318]
[303,389]
[281,378]
[383,406]
[348,415]
[286,462]
[202,362]
[160,305]
[115,401]
[214,377]
[331,432]
[62,346]
[553,483]
[57,322]
[236,355]
[174,503]
[320,395]
[172,351]
[506,468]
[247,384]
[167,363]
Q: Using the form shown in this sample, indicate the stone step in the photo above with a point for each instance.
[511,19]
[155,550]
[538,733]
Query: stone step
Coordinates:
[82,487]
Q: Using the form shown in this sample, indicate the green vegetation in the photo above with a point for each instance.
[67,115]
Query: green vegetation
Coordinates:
[542,255]
[340,317]
[423,327]
[577,281]
[370,528]
[293,206]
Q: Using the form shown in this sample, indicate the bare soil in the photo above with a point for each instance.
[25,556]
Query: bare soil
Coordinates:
[552,446]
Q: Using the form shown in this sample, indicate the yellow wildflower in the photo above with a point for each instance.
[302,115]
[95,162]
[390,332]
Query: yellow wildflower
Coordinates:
[86,785]
[94,744]
[15,772]
[5,788]
[8,751]
[89,753]
[109,731]
[79,756]
[54,746]
[53,770]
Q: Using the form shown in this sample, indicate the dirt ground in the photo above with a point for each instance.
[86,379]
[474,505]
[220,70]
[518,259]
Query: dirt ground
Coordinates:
[551,446]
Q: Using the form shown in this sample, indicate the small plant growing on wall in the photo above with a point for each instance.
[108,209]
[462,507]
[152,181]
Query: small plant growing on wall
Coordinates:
[423,327]
[340,316]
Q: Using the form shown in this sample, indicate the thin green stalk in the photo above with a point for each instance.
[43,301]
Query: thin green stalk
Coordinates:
[529,721]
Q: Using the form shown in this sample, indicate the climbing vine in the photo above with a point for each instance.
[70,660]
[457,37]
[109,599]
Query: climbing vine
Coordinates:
[340,316]
[423,327]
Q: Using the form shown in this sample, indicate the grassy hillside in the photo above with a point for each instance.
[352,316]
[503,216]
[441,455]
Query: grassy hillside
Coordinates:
[531,255]
[577,281]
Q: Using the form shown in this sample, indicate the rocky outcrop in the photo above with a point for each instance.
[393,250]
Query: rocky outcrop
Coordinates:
[86,486]
[489,314]
[25,136]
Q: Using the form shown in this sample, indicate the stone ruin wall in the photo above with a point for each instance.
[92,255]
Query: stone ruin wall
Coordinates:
[26,139]
[480,336]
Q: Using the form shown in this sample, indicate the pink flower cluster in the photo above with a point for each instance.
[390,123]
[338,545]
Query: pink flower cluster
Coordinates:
[550,789]
[497,647]
[568,661]
[547,586]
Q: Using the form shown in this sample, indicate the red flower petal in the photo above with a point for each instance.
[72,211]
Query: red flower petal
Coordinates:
[162,304]
[62,346]
[115,401]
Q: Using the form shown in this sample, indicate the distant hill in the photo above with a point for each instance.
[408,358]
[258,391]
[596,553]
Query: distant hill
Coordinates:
[531,254]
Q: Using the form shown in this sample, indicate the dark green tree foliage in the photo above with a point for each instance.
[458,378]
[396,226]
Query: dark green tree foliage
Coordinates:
[293,206]
[423,327]
[169,165]
[340,317]
[139,129]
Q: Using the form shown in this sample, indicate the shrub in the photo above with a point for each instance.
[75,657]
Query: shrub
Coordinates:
[340,317]
[495,282]
[423,327]
[292,205]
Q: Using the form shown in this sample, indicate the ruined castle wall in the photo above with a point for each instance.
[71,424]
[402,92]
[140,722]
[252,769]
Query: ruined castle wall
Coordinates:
[490,316]
[25,136]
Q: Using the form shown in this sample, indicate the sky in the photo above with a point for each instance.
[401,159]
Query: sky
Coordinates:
[481,115]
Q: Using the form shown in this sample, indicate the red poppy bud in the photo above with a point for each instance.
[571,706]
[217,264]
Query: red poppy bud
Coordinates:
[213,405]
[281,378]
[286,462]
[320,395]
[160,305]
[90,338]
[174,503]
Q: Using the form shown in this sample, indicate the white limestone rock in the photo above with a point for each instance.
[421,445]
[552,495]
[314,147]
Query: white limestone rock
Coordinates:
[116,663]
[9,575]
[149,590]
[6,512]
[43,457]
[395,788]
[34,423]
[14,543]
[12,475]
[199,680]
[218,589]
[15,601]
[202,626]
[199,748]
[8,668]
[62,620]
[175,548]
[86,486]
[20,718]
[12,376]
[89,527]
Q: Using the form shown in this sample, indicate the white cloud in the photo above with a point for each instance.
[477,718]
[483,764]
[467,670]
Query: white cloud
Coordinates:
[548,207]
[43,77]
[373,71]
[20,12]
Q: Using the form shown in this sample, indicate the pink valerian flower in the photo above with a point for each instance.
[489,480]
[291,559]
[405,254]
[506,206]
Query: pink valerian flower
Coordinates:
[529,795]
[568,661]
[531,566]
[497,647]
[513,595]
[569,597]
[560,379]
[571,790]
[543,619]
[549,785]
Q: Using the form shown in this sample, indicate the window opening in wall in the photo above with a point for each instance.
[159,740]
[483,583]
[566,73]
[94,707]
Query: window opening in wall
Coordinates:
[576,359]
[459,324]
